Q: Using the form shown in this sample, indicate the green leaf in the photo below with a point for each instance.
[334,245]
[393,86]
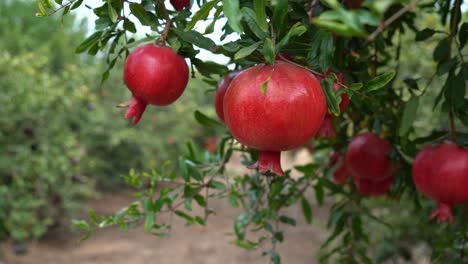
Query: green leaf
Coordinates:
[264,85]
[196,39]
[280,15]
[379,81]
[268,52]
[333,102]
[424,34]
[246,51]
[251,20]
[260,13]
[210,28]
[88,42]
[140,13]
[455,89]
[296,30]
[112,13]
[409,115]
[206,121]
[287,220]
[185,216]
[201,14]
[129,26]
[355,86]
[442,50]
[306,210]
[463,34]
[232,12]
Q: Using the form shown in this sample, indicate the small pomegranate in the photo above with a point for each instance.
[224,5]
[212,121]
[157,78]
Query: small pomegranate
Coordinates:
[326,129]
[180,4]
[284,117]
[373,187]
[441,173]
[353,4]
[155,75]
[367,157]
[220,92]
[341,173]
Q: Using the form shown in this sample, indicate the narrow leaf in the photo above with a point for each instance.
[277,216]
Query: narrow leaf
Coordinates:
[246,51]
[201,14]
[379,81]
[260,13]
[409,114]
[232,12]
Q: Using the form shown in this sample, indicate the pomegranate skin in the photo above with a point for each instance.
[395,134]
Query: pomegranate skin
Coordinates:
[285,117]
[220,92]
[155,75]
[367,157]
[441,173]
[373,188]
[180,4]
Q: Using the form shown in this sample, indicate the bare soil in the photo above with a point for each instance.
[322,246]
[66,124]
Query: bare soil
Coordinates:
[196,244]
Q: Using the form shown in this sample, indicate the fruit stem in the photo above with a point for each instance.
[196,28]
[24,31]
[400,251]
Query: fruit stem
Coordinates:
[268,161]
[167,27]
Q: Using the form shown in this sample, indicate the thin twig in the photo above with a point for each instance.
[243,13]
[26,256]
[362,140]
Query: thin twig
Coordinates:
[167,27]
[389,21]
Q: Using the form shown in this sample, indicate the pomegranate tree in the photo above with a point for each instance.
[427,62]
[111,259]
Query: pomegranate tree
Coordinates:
[273,108]
[220,92]
[155,75]
[441,173]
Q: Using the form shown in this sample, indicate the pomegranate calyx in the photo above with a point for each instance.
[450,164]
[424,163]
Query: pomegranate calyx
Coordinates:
[442,212]
[268,161]
[136,108]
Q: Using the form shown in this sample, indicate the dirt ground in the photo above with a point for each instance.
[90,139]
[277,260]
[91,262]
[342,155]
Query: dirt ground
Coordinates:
[194,245]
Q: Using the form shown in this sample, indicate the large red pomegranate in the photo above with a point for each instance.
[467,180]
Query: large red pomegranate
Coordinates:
[441,173]
[220,92]
[367,157]
[180,4]
[326,129]
[284,117]
[155,75]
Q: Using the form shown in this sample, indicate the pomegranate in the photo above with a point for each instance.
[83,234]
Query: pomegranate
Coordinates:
[326,129]
[285,116]
[341,173]
[441,173]
[155,75]
[373,187]
[367,157]
[353,4]
[180,4]
[220,92]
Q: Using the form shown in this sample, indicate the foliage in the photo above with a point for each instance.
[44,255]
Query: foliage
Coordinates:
[55,145]
[368,45]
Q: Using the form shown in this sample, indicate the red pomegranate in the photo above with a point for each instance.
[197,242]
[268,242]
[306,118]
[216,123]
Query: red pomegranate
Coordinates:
[220,92]
[155,75]
[441,173]
[326,129]
[180,4]
[341,173]
[367,157]
[353,4]
[284,117]
[373,187]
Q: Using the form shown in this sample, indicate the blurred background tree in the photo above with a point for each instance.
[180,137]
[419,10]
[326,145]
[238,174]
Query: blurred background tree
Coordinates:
[55,119]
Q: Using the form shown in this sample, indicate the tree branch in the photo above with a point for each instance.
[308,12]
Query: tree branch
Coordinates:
[390,20]
[167,27]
